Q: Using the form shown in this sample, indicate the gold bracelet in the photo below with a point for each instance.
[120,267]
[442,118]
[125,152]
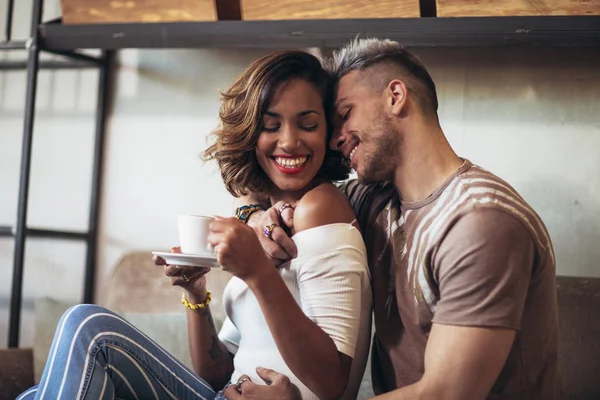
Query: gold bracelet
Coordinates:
[243,213]
[198,306]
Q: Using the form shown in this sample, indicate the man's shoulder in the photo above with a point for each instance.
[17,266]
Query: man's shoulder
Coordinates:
[482,189]
[352,187]
[480,181]
[368,200]
[361,194]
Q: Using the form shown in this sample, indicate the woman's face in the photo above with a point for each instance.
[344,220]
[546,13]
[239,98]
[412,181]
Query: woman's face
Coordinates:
[292,142]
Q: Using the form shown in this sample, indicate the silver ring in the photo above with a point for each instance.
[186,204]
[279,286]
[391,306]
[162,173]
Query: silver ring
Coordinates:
[238,384]
[284,206]
[184,278]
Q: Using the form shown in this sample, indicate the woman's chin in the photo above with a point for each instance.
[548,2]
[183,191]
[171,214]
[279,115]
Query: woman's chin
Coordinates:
[291,186]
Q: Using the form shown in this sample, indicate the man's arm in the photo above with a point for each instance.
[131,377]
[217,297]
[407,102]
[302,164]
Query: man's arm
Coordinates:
[275,387]
[460,363]
[483,267]
[367,200]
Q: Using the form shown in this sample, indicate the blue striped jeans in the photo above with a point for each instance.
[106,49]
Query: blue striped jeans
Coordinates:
[98,355]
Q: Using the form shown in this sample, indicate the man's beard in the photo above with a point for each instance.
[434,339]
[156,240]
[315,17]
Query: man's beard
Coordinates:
[381,153]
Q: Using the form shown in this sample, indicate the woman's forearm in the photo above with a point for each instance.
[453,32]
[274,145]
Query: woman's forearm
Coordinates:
[210,358]
[307,350]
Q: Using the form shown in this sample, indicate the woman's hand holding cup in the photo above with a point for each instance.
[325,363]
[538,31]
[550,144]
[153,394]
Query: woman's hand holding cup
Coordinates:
[237,248]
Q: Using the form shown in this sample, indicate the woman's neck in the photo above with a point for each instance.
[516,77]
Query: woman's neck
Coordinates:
[292,197]
[287,197]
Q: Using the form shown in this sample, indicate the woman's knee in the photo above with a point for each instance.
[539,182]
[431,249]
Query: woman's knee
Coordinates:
[78,317]
[81,312]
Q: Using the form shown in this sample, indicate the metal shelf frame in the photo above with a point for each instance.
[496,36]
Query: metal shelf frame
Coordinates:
[411,32]
[64,40]
[20,232]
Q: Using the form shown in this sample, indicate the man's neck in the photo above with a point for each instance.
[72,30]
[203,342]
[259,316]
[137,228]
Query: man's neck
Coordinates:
[427,161]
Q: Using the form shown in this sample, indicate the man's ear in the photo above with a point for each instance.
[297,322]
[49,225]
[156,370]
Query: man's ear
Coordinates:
[397,96]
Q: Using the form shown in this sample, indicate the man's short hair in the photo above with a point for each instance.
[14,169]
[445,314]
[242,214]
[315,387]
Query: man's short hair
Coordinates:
[383,60]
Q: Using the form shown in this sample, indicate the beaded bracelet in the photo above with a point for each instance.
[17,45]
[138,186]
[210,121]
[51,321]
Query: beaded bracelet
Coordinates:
[198,306]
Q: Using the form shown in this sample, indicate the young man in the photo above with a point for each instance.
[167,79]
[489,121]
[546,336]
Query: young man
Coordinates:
[463,268]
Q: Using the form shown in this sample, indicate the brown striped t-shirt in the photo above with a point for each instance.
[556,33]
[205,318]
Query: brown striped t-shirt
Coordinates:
[473,253]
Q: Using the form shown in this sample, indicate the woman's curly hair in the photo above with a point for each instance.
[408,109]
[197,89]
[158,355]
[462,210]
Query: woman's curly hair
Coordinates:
[243,105]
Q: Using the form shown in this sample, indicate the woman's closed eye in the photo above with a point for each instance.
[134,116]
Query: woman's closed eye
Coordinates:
[308,123]
[309,128]
[270,129]
[304,127]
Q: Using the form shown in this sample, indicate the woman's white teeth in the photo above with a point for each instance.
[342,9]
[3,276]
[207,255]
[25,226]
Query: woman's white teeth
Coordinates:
[290,162]
[353,151]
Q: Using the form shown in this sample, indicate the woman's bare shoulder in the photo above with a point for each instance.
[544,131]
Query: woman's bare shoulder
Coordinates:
[323,205]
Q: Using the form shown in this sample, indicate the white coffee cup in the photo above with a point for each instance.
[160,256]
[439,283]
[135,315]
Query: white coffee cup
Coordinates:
[193,234]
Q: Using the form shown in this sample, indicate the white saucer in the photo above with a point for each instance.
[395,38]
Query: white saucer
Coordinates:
[188,260]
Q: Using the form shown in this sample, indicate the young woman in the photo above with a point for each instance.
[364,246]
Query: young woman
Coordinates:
[308,319]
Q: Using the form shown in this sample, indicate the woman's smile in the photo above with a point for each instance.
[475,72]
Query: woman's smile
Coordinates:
[290,164]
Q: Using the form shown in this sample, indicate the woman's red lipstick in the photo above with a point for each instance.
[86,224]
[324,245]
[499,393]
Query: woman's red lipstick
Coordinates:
[289,170]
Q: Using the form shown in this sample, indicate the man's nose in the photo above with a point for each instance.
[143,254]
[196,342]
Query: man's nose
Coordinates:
[337,140]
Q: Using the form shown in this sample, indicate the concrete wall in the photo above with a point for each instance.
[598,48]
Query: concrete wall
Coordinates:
[530,115]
